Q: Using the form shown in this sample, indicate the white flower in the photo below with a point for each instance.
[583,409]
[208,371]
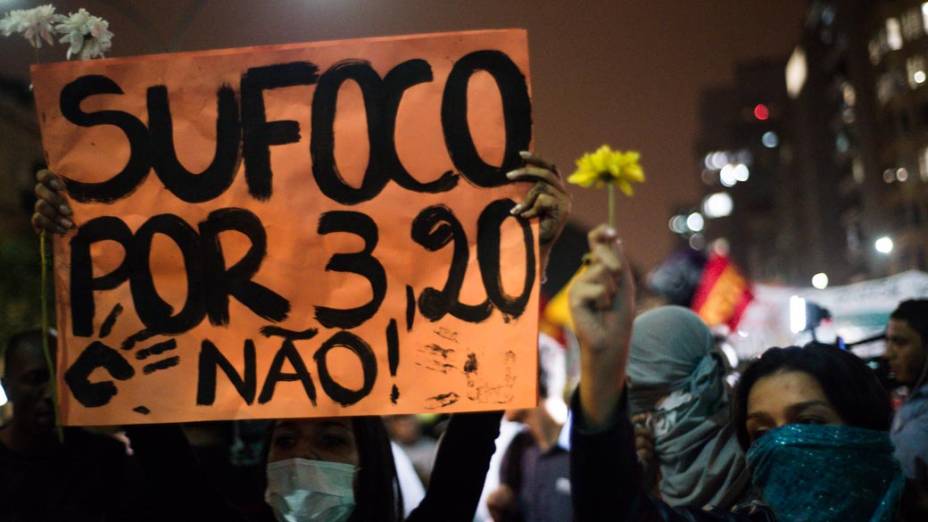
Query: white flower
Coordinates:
[34,24]
[88,36]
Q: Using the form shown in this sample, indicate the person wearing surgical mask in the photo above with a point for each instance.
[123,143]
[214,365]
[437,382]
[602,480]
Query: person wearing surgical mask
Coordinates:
[313,466]
[342,469]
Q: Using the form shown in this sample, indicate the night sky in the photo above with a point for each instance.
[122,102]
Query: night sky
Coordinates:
[618,72]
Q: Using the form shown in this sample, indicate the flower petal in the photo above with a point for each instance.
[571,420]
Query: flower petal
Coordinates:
[625,187]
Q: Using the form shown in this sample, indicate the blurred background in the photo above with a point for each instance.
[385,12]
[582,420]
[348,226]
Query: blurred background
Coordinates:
[785,145]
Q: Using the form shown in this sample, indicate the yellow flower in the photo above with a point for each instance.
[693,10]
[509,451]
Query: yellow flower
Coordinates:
[605,166]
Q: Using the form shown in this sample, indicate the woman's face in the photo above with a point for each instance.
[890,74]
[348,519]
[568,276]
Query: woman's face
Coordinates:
[790,397]
[329,439]
[904,351]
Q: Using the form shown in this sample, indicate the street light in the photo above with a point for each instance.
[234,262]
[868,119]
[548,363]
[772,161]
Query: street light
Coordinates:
[883,245]
[727,176]
[820,280]
[717,205]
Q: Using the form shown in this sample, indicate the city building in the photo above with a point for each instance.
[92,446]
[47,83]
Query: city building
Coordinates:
[739,155]
[834,149]
[897,52]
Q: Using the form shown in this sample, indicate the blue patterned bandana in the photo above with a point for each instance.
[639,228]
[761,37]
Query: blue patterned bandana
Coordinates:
[827,473]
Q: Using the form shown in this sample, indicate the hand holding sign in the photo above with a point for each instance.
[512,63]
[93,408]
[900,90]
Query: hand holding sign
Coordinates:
[548,200]
[200,272]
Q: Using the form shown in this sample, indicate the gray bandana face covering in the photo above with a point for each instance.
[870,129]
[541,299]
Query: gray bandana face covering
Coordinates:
[676,375]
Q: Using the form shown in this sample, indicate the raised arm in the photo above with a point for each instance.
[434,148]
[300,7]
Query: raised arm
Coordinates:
[460,468]
[602,304]
[605,475]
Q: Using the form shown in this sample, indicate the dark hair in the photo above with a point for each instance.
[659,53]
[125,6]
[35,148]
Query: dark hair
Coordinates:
[377,488]
[850,386]
[914,312]
[21,340]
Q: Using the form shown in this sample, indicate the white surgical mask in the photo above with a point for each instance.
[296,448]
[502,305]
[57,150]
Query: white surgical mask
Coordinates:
[301,490]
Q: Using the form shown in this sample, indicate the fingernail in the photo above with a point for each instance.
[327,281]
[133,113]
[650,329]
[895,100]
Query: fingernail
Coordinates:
[524,153]
[64,209]
[611,232]
[516,209]
[511,174]
[66,223]
[55,184]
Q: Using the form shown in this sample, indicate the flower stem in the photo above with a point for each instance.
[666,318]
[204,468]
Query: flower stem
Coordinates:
[52,381]
[611,192]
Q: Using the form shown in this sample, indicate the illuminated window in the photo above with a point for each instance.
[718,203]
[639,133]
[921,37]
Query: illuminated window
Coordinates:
[857,170]
[848,115]
[923,164]
[848,94]
[912,26]
[842,143]
[915,71]
[796,69]
[893,34]
[875,52]
[888,86]
[925,16]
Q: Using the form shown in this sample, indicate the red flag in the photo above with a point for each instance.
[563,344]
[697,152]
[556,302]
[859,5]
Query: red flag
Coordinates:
[723,293]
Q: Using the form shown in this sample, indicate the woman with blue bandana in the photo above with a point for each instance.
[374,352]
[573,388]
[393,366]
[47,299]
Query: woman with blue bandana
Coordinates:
[814,422]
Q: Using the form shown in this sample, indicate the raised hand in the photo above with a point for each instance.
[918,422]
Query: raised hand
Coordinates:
[602,304]
[547,200]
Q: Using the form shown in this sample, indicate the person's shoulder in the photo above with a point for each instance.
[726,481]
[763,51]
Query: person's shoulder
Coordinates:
[915,408]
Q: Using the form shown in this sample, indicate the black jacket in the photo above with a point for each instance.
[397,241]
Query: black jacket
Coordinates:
[606,479]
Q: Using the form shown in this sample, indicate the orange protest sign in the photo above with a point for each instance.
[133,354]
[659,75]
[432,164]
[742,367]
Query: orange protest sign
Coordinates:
[300,230]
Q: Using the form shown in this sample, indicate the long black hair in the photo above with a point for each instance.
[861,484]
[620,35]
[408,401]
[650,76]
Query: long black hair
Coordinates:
[376,489]
[849,385]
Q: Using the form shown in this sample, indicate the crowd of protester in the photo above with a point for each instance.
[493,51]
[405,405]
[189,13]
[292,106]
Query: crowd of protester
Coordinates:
[654,431]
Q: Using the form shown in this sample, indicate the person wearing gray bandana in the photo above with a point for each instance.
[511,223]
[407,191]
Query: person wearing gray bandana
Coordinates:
[676,377]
